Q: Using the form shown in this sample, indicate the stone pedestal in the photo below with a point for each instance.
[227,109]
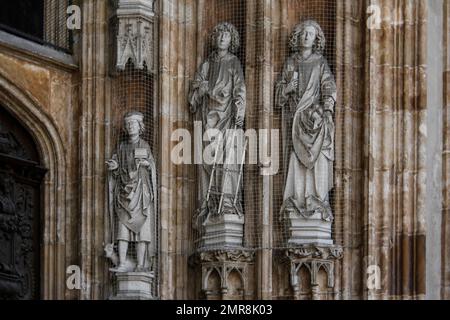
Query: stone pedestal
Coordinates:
[134,286]
[224,231]
[312,230]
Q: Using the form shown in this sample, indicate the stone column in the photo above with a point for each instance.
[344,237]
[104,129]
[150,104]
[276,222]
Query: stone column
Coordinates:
[395,151]
[95,112]
[349,174]
[259,28]
[178,29]
[380,192]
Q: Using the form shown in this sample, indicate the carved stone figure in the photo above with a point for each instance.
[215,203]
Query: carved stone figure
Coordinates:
[307,94]
[133,198]
[217,98]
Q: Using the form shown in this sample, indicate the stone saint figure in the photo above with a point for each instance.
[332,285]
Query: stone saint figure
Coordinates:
[217,98]
[133,196]
[307,94]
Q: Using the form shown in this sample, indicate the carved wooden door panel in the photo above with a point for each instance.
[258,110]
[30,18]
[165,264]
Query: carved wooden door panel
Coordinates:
[20,180]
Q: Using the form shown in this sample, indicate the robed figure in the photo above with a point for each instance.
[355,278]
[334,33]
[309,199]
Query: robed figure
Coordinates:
[306,94]
[133,196]
[217,98]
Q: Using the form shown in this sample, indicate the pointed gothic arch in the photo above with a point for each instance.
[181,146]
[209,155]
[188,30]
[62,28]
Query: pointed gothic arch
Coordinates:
[52,155]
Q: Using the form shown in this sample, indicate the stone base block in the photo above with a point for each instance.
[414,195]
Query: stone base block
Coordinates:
[312,230]
[134,286]
[225,231]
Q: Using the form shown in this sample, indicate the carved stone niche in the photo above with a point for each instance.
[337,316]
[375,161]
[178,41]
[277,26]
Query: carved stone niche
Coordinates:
[225,273]
[306,264]
[134,25]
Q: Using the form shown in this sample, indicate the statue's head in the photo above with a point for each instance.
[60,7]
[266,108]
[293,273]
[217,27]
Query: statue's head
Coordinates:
[225,36]
[134,123]
[307,34]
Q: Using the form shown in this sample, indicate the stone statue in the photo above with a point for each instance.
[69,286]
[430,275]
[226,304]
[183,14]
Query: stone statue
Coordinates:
[307,94]
[217,98]
[133,198]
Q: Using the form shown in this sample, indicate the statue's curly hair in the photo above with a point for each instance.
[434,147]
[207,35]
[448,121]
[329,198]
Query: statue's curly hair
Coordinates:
[319,44]
[226,27]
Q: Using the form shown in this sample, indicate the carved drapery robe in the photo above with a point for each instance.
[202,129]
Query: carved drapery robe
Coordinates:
[217,109]
[308,136]
[133,193]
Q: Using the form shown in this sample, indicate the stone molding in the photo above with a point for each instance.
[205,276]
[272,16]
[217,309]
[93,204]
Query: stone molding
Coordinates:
[37,51]
[333,252]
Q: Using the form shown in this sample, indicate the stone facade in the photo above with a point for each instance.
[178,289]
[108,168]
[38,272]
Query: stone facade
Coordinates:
[65,101]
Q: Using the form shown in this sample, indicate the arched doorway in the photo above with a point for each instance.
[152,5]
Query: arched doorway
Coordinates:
[21,175]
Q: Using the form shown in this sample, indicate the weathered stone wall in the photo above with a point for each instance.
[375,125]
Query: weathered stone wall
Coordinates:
[350,142]
[43,93]
[395,150]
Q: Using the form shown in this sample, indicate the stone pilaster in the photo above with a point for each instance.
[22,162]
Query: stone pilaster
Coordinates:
[394,150]
[260,27]
[349,173]
[178,31]
[95,104]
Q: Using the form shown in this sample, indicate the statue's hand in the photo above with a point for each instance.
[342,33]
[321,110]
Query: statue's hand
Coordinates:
[144,163]
[112,164]
[291,86]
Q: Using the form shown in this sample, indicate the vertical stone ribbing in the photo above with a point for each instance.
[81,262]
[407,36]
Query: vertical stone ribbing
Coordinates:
[260,31]
[92,155]
[167,24]
[349,145]
[395,125]
[177,52]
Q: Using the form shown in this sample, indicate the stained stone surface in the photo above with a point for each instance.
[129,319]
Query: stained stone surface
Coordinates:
[380,168]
